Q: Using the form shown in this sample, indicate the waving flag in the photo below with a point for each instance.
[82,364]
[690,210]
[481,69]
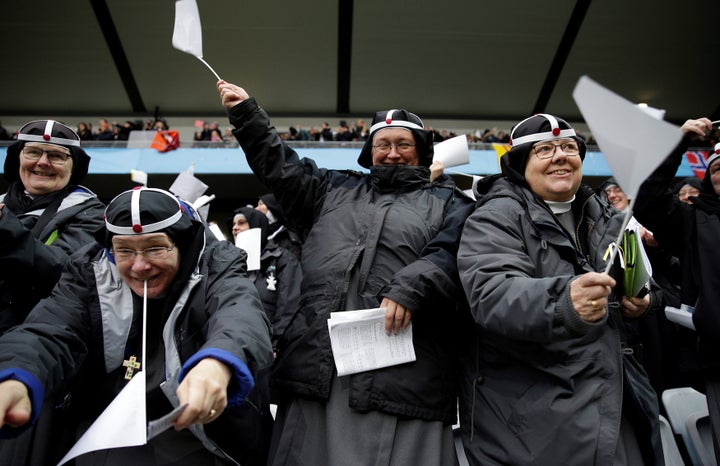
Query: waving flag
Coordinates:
[634,142]
[698,162]
[187,34]
[500,150]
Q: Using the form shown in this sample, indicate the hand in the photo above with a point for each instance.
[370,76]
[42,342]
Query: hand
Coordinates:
[15,407]
[647,236]
[436,169]
[1,208]
[397,317]
[231,94]
[696,129]
[634,307]
[204,390]
[589,293]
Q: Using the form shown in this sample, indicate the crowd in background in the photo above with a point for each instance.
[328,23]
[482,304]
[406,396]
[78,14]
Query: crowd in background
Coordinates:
[510,313]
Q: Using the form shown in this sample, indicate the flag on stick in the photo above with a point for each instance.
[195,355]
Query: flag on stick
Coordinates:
[634,142]
[187,34]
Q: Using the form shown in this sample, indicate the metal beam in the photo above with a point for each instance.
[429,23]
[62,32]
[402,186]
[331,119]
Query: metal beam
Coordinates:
[107,26]
[561,54]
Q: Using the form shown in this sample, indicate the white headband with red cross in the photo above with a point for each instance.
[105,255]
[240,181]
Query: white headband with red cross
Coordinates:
[555,131]
[137,227]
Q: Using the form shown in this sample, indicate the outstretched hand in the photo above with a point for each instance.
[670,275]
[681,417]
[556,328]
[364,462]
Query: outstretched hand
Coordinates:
[15,407]
[204,390]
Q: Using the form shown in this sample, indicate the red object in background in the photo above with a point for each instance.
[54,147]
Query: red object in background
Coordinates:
[165,141]
[697,160]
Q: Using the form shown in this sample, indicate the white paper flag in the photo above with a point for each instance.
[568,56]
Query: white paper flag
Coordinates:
[250,241]
[187,34]
[633,142]
[139,176]
[122,424]
[452,152]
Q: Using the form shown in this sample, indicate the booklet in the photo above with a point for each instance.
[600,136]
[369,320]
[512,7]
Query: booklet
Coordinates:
[637,266]
[359,342]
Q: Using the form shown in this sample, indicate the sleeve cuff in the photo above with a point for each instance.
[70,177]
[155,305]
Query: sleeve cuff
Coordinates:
[242,380]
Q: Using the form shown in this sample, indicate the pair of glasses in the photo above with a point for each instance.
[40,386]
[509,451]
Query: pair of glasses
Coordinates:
[546,150]
[385,148]
[154,253]
[55,157]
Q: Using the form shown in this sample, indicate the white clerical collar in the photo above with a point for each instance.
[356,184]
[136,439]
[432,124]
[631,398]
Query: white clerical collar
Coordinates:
[560,207]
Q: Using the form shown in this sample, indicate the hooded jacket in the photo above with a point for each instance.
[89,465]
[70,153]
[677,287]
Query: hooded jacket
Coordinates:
[33,261]
[541,385]
[390,234]
[78,338]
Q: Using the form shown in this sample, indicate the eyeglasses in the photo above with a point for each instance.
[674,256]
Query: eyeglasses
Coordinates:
[546,150]
[154,253]
[55,157]
[385,148]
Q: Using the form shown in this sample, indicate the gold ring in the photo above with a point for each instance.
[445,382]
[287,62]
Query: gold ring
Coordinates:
[212,413]
[595,305]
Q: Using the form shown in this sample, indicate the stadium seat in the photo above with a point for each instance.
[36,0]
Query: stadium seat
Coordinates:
[699,432]
[680,404]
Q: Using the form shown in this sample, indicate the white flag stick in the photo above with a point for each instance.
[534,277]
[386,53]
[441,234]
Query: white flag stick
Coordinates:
[211,68]
[144,323]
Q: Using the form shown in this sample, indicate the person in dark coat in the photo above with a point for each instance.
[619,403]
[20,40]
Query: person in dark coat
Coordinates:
[279,276]
[45,215]
[278,230]
[383,239]
[687,188]
[690,232]
[548,378]
[207,336]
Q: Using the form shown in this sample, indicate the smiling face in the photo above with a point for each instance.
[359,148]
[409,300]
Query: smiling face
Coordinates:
[394,146]
[40,176]
[158,272]
[617,198]
[556,178]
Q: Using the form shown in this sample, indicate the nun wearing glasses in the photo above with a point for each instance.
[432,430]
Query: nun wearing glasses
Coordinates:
[207,337]
[548,378]
[45,215]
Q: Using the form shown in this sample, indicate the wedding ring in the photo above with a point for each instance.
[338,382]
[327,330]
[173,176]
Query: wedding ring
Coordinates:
[212,413]
[595,305]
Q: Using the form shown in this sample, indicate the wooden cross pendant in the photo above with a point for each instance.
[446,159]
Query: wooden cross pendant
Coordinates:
[131,365]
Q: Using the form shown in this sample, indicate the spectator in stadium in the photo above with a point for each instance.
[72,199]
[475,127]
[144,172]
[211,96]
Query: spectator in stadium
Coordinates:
[385,239]
[547,378]
[152,266]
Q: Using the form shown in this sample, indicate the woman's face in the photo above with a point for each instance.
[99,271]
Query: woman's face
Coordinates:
[556,178]
[50,172]
[686,192]
[158,272]
[240,224]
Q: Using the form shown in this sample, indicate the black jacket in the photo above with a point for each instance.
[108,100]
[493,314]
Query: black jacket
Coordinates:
[388,234]
[76,340]
[30,264]
[691,233]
